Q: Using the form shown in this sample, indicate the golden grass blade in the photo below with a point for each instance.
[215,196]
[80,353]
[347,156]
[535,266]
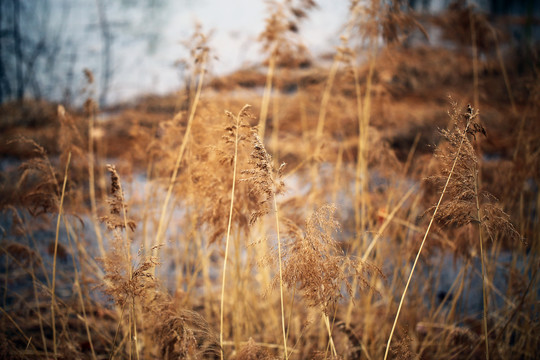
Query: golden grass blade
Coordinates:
[458,152]
[60,209]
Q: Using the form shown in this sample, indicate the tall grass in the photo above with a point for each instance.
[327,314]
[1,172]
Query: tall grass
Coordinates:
[375,240]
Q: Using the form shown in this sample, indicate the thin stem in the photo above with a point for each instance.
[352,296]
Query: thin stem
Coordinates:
[77,286]
[386,223]
[504,72]
[229,225]
[134,338]
[132,315]
[38,311]
[113,350]
[424,240]
[331,340]
[53,302]
[324,104]
[91,179]
[161,225]
[480,238]
[475,59]
[289,321]
[266,96]
[28,339]
[281,280]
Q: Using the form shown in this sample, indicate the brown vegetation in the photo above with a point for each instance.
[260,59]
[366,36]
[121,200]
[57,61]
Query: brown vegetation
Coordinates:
[296,232]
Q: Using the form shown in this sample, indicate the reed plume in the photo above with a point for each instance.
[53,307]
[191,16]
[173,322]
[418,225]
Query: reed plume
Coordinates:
[177,332]
[234,136]
[314,264]
[461,145]
[266,184]
[467,203]
[280,41]
[465,197]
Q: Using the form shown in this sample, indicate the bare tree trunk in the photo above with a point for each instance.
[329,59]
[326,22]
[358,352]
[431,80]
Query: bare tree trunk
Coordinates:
[106,70]
[18,50]
[4,84]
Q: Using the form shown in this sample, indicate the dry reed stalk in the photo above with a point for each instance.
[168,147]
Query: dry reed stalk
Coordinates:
[479,218]
[520,305]
[21,256]
[275,27]
[362,175]
[147,205]
[474,59]
[78,290]
[280,279]
[337,173]
[315,265]
[324,103]
[124,282]
[267,93]
[91,106]
[261,252]
[371,246]
[330,338]
[448,319]
[505,73]
[53,293]
[278,41]
[319,131]
[267,184]
[161,225]
[411,154]
[462,139]
[38,308]
[363,147]
[360,17]
[467,199]
[236,130]
[275,127]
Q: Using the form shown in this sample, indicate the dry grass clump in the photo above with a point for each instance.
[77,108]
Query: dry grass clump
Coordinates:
[252,351]
[180,333]
[38,186]
[171,254]
[176,333]
[314,263]
[279,38]
[22,254]
[461,207]
[32,119]
[214,186]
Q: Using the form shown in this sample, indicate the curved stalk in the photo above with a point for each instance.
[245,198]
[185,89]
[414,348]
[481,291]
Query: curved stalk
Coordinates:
[161,224]
[266,95]
[229,225]
[481,239]
[53,302]
[281,280]
[424,241]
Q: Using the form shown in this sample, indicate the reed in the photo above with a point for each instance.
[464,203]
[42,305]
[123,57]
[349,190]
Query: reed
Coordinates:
[200,243]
